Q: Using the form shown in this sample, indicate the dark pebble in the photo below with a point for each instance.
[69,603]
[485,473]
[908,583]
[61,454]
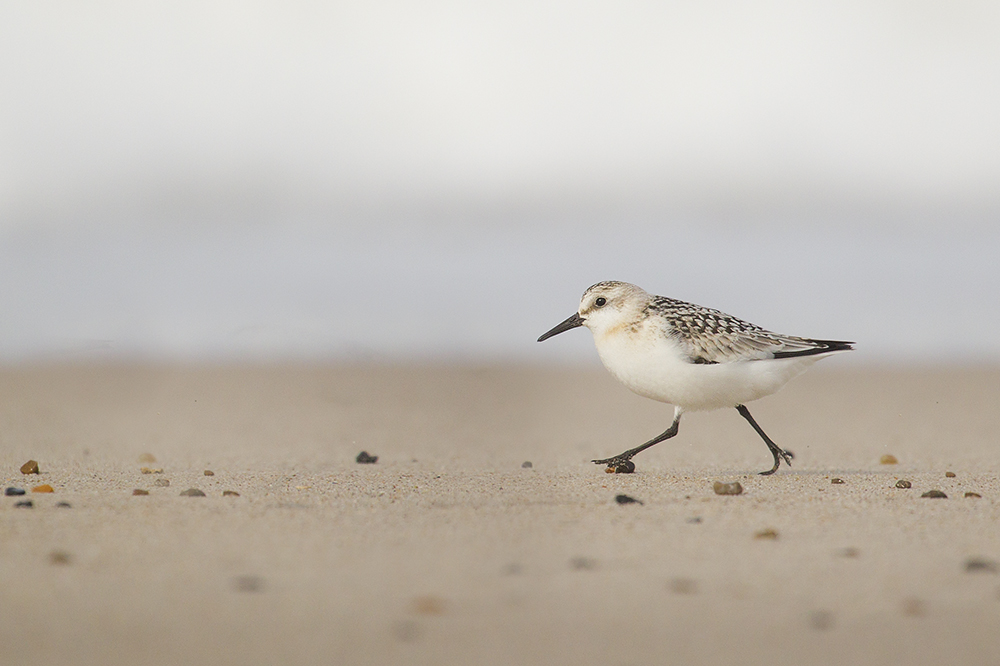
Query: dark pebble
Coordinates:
[209,472]
[365,458]
[836,481]
[694,520]
[733,488]
[950,475]
[14,491]
[526,464]
[248,583]
[625,499]
[980,565]
[192,492]
[903,483]
[972,494]
[30,467]
[140,491]
[230,493]
[767,533]
[849,551]
[59,557]
[63,505]
[935,493]
[25,504]
[626,467]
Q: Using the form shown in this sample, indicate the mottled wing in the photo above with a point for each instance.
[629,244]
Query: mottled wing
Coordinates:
[711,336]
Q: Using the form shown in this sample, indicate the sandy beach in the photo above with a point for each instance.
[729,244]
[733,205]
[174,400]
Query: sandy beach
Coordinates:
[449,550]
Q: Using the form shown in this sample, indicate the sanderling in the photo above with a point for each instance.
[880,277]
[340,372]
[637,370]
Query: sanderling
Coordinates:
[693,357]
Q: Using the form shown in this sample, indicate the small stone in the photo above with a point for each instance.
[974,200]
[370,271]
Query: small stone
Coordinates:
[30,467]
[44,488]
[694,520]
[835,481]
[11,491]
[625,499]
[526,464]
[950,475]
[733,488]
[935,494]
[849,551]
[161,483]
[140,491]
[683,586]
[972,494]
[888,459]
[903,483]
[767,533]
[627,467]
[209,472]
[63,505]
[913,607]
[151,470]
[364,458]
[59,557]
[147,458]
[248,583]
[821,620]
[230,493]
[428,605]
[192,492]
[24,504]
[980,565]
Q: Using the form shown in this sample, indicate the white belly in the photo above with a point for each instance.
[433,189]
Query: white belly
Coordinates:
[655,367]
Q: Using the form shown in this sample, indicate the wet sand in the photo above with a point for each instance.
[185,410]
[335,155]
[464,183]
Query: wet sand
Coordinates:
[448,551]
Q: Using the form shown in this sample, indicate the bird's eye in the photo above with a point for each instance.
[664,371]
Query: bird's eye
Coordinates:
[600,302]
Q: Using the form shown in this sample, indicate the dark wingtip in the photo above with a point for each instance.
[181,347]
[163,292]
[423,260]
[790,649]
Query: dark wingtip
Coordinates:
[822,347]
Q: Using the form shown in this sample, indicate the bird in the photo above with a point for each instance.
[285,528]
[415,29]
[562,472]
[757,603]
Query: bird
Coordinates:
[693,357]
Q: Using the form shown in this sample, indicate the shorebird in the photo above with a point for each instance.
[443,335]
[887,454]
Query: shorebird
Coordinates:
[690,356]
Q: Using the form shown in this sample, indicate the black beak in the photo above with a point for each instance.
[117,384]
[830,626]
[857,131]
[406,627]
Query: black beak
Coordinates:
[572,322]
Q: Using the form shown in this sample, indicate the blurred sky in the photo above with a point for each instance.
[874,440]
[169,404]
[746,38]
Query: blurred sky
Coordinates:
[368,180]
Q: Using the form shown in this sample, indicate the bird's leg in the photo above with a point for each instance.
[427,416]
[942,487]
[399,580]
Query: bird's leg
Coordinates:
[622,463]
[776,451]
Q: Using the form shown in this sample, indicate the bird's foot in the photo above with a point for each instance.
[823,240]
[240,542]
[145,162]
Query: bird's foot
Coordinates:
[617,465]
[779,455]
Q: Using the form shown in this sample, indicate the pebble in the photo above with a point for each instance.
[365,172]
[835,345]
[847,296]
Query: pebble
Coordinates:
[248,583]
[365,458]
[980,565]
[192,492]
[44,488]
[151,470]
[767,533]
[694,520]
[30,467]
[849,551]
[625,499]
[733,488]
[24,504]
[835,481]
[147,458]
[230,493]
[888,459]
[903,483]
[950,475]
[972,494]
[10,492]
[209,472]
[626,467]
[63,505]
[161,483]
[59,557]
[683,586]
[140,491]
[821,620]
[428,605]
[526,464]
[935,493]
